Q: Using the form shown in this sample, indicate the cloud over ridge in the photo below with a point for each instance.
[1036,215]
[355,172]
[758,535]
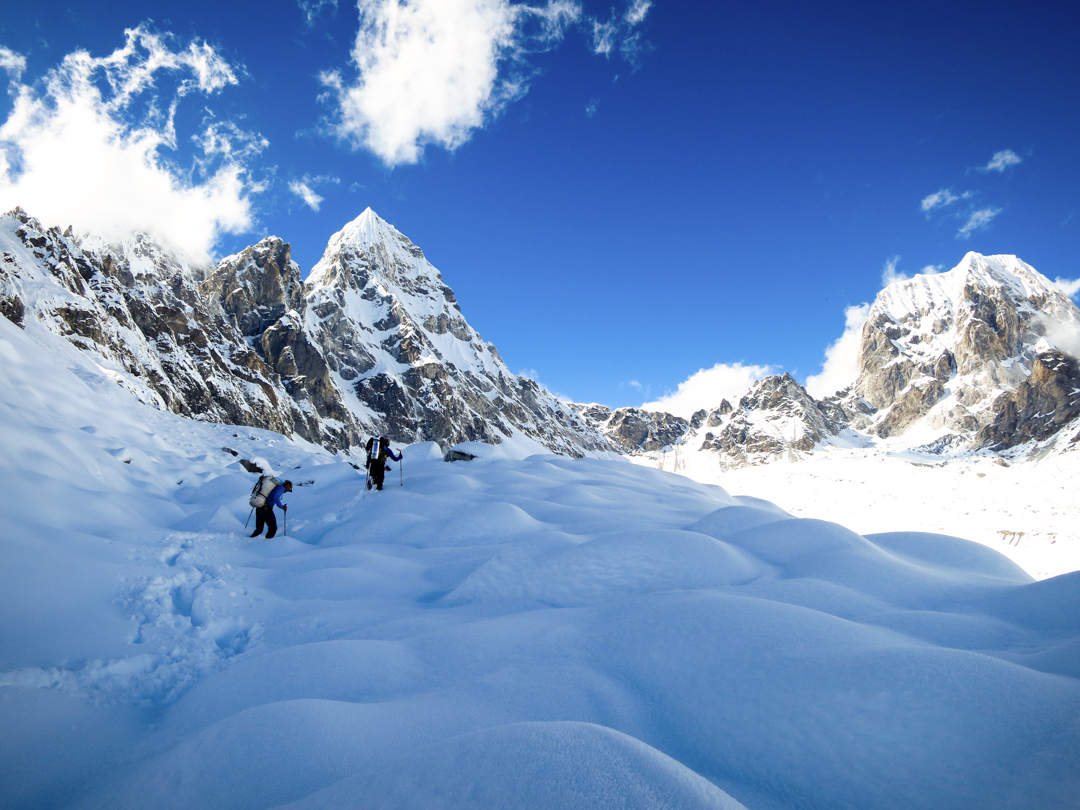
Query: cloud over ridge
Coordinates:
[101,128]
[843,356]
[707,387]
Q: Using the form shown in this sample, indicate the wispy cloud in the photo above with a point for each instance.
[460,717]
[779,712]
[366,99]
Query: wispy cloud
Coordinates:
[1002,160]
[708,387]
[305,193]
[12,63]
[843,357]
[620,33]
[940,199]
[1068,286]
[977,221]
[100,128]
[889,273]
[312,9]
[303,189]
[431,72]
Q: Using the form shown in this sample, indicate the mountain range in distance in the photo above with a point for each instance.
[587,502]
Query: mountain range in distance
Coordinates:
[979,359]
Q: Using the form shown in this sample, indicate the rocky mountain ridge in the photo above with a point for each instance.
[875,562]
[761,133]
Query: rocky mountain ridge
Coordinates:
[957,362]
[372,342]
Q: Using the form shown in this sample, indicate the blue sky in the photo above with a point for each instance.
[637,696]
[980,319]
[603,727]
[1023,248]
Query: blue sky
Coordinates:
[620,194]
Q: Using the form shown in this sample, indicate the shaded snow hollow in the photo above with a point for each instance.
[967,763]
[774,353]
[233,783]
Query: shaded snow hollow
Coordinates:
[532,632]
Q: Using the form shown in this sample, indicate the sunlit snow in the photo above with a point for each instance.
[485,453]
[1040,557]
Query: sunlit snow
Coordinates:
[506,632]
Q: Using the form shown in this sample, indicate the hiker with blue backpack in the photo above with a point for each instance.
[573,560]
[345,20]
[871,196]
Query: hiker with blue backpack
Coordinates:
[378,448]
[266,495]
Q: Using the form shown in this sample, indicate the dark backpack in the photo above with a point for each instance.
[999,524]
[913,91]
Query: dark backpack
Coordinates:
[377,452]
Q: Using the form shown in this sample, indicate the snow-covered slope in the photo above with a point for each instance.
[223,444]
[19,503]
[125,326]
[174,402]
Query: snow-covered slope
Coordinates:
[374,343]
[943,348]
[401,352]
[506,632]
[979,359]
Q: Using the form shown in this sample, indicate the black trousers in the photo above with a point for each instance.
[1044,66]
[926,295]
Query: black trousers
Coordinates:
[264,515]
[377,471]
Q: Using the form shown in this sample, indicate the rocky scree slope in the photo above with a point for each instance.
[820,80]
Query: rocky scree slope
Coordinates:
[372,342]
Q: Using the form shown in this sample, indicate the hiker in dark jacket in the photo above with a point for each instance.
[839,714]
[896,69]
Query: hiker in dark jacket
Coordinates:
[376,460]
[264,515]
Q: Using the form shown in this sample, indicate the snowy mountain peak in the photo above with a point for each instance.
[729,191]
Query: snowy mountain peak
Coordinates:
[369,248]
[953,291]
[942,347]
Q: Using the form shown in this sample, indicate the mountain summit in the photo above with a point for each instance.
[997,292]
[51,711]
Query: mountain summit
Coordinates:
[373,342]
[978,358]
[943,348]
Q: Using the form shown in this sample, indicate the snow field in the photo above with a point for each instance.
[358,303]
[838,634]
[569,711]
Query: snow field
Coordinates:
[506,632]
[1027,511]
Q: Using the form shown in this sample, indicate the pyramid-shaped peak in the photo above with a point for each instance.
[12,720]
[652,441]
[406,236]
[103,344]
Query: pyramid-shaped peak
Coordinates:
[366,230]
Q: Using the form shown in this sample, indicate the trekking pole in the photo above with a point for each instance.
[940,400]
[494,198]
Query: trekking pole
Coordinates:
[401,469]
[249,517]
[285,522]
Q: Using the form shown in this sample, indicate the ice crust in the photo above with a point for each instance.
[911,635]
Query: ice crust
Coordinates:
[511,631]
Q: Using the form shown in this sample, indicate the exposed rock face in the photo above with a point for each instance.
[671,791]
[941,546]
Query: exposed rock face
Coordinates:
[1042,405]
[397,346]
[967,355]
[374,342]
[636,431]
[944,347]
[775,415]
[137,309]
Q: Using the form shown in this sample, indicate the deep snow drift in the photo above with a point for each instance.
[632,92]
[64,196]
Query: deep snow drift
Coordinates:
[529,633]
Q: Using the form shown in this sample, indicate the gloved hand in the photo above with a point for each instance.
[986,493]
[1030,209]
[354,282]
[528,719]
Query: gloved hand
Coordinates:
[284,507]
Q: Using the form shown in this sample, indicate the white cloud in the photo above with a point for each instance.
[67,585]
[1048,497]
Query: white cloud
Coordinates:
[305,193]
[591,107]
[1002,160]
[303,189]
[939,199]
[889,273]
[635,15]
[708,387]
[1067,286]
[431,72]
[977,221]
[12,63]
[98,129]
[843,358]
[1062,335]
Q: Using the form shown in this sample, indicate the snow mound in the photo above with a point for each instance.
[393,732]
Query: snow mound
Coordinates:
[529,766]
[507,631]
